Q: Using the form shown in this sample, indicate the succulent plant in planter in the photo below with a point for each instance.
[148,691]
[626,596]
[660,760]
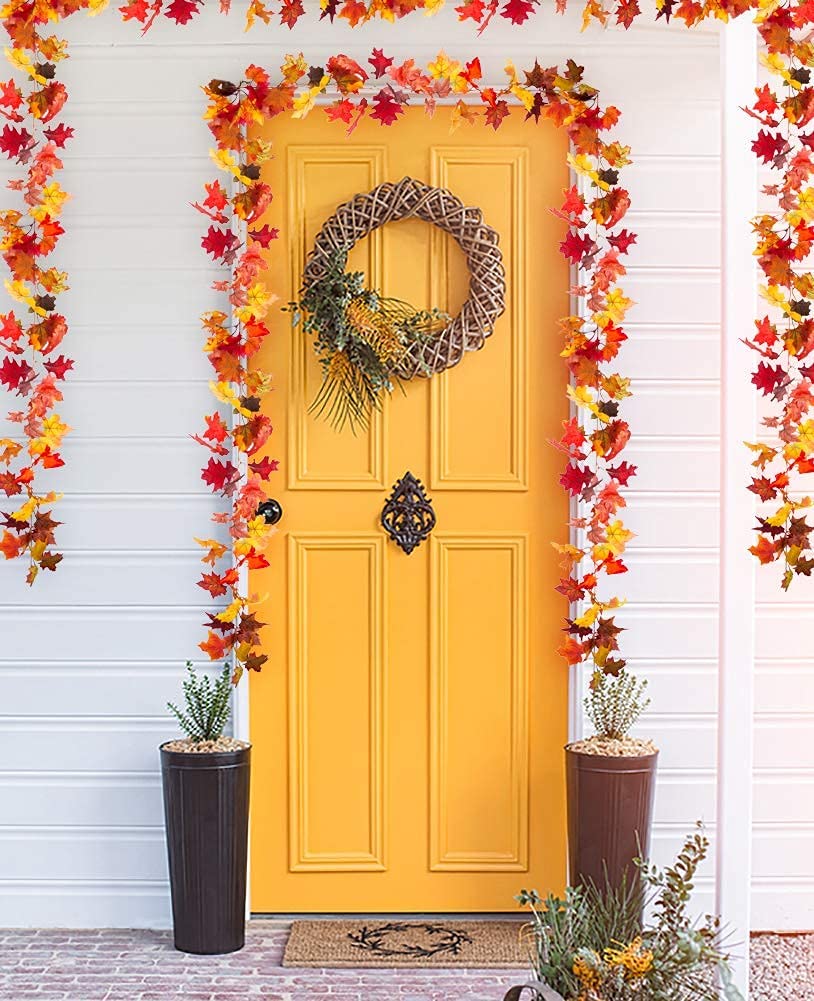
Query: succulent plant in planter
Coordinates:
[205,778]
[610,785]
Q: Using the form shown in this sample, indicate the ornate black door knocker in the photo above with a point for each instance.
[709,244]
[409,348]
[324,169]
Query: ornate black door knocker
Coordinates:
[407,515]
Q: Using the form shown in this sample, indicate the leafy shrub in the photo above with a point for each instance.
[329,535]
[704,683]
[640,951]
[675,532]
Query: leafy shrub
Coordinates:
[207,704]
[614,704]
[594,945]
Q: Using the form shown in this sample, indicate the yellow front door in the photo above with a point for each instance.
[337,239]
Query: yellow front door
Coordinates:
[408,728]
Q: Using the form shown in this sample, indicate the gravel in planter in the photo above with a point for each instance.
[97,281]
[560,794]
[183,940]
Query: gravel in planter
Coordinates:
[782,968]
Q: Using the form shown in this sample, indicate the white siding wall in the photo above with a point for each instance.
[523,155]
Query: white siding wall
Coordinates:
[91,655]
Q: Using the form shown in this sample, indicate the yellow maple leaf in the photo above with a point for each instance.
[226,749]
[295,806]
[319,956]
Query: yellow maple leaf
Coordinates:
[304,103]
[25,512]
[21,59]
[22,293]
[616,306]
[587,619]
[444,68]
[9,449]
[780,516]
[231,612]
[257,303]
[52,198]
[294,67]
[53,431]
[523,95]
[805,202]
[223,391]
[806,436]
[617,537]
[583,165]
[226,160]
[215,550]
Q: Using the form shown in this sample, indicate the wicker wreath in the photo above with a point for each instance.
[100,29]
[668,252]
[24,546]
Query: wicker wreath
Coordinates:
[406,199]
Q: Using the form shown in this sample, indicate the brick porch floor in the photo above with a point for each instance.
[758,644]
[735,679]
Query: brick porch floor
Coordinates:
[138,965]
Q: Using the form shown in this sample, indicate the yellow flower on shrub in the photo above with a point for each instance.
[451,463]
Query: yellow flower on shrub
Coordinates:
[634,959]
[586,968]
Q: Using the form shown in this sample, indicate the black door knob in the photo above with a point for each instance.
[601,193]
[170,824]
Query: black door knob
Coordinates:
[271,510]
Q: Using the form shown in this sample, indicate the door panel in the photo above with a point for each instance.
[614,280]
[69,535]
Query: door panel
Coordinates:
[408,728]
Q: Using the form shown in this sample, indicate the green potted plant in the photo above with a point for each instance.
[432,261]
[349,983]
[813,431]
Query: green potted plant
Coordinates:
[610,782]
[594,945]
[205,778]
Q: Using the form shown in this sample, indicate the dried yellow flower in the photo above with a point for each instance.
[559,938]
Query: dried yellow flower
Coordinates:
[634,959]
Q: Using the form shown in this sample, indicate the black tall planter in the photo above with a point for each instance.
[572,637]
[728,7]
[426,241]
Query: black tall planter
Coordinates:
[206,812]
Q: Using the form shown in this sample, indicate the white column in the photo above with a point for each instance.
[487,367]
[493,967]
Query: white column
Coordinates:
[737,572]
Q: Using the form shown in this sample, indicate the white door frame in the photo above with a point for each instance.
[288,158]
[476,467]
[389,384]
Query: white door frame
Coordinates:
[736,637]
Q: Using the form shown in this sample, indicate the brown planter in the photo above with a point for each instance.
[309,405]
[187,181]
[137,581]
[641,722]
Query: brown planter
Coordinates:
[610,808]
[206,811]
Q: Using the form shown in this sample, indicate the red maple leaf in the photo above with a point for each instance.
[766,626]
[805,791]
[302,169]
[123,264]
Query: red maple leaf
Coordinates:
[768,146]
[214,203]
[626,12]
[572,650]
[622,473]
[575,479]
[765,100]
[212,583]
[573,436]
[182,11]
[220,474]
[16,374]
[622,240]
[10,328]
[264,467]
[472,11]
[11,545]
[59,134]
[765,549]
[216,646]
[572,208]
[386,109]
[766,332]
[291,11]
[264,235]
[50,460]
[517,11]
[220,243]
[576,247]
[136,10]
[571,589]
[341,111]
[768,377]
[14,141]
[58,367]
[496,111]
[216,429]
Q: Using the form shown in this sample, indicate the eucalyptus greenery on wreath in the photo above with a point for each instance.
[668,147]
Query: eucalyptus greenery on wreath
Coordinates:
[361,338]
[367,343]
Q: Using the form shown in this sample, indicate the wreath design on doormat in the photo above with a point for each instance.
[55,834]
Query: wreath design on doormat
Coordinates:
[368,343]
[410,939]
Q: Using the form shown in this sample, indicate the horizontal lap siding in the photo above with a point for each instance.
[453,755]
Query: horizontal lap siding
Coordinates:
[92,654]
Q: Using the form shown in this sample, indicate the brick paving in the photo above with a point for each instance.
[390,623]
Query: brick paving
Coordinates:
[140,965]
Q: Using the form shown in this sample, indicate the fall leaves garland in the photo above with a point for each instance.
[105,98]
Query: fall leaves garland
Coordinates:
[784,337]
[32,368]
[31,333]
[595,245]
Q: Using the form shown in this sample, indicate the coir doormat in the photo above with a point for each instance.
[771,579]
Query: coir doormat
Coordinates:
[433,944]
